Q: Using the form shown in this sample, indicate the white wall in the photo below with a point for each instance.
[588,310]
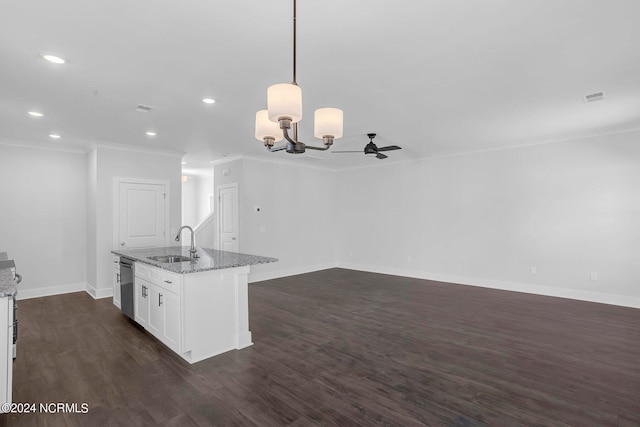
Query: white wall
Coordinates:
[485,219]
[205,191]
[190,201]
[43,218]
[109,164]
[297,215]
[567,209]
[195,199]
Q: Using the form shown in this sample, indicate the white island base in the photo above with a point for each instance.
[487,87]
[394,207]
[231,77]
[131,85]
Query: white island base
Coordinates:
[197,315]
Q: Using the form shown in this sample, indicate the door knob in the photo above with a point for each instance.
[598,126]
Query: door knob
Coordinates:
[233,238]
[121,243]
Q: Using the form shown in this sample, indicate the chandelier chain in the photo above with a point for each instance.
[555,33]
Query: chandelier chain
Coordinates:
[294,43]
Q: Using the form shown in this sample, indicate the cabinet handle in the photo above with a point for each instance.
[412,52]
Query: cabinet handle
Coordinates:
[117,277]
[159,300]
[144,291]
[168,281]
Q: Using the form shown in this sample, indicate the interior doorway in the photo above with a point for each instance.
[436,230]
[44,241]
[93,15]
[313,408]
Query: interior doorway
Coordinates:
[228,232]
[142,214]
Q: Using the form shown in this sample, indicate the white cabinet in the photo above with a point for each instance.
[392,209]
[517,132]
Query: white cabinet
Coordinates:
[157,304]
[116,281]
[171,321]
[6,349]
[197,315]
[141,302]
[155,311]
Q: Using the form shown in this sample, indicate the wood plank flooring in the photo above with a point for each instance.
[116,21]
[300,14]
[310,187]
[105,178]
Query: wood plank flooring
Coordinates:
[341,347]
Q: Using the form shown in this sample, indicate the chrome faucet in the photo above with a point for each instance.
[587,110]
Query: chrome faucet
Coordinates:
[193,252]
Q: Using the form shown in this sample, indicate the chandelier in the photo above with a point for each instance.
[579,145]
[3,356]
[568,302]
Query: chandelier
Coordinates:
[284,111]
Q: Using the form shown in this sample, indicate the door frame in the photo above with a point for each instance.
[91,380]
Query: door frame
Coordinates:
[116,206]
[217,210]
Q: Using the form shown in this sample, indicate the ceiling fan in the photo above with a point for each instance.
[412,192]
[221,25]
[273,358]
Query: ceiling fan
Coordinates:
[371,148]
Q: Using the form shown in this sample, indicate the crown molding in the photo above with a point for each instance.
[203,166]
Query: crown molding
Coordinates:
[51,146]
[135,148]
[281,161]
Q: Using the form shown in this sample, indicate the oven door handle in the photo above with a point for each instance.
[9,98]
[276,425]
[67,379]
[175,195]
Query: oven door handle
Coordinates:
[18,279]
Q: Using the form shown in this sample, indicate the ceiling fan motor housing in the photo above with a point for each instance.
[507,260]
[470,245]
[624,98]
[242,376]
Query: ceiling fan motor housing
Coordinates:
[370,148]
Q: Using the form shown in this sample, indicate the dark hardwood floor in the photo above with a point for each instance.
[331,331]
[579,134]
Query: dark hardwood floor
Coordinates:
[340,347]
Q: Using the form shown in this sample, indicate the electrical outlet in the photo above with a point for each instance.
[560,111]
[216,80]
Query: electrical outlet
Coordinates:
[534,270]
[409,259]
[594,275]
[263,229]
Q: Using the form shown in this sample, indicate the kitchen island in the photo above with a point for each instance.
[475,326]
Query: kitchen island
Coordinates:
[198,307]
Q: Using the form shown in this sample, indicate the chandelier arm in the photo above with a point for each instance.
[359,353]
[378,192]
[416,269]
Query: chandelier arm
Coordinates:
[273,150]
[285,132]
[325,148]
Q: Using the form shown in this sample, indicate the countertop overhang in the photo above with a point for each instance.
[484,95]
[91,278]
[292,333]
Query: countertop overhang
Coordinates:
[209,259]
[8,285]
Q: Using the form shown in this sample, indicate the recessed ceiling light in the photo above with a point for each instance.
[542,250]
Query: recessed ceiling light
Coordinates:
[54,58]
[54,136]
[141,108]
[593,97]
[208,100]
[151,133]
[35,114]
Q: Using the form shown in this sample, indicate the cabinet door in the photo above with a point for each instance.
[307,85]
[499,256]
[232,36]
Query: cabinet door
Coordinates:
[172,324]
[116,286]
[6,349]
[141,302]
[156,316]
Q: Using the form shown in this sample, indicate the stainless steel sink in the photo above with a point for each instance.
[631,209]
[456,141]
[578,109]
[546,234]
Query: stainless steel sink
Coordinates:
[168,259]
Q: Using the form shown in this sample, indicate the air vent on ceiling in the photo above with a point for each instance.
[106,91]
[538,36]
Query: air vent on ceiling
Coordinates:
[143,108]
[593,97]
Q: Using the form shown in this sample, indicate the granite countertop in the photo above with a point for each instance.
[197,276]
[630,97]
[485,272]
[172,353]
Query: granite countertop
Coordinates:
[8,285]
[210,259]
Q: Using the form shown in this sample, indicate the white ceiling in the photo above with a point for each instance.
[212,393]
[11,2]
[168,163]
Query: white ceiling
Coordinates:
[435,77]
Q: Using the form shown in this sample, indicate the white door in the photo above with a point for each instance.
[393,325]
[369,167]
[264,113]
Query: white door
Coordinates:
[228,218]
[142,215]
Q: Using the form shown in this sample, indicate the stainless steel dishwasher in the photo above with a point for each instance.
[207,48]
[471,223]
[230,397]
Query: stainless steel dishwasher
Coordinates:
[126,286]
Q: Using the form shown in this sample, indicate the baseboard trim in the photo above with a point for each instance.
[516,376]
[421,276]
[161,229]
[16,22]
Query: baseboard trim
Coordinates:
[277,274]
[98,293]
[552,291]
[50,290]
[254,277]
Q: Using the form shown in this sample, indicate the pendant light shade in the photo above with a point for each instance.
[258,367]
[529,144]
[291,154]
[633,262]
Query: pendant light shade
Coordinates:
[328,122]
[266,129]
[284,100]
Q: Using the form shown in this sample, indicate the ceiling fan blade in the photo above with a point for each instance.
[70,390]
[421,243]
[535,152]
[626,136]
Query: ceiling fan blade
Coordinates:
[381,156]
[359,151]
[389,148]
